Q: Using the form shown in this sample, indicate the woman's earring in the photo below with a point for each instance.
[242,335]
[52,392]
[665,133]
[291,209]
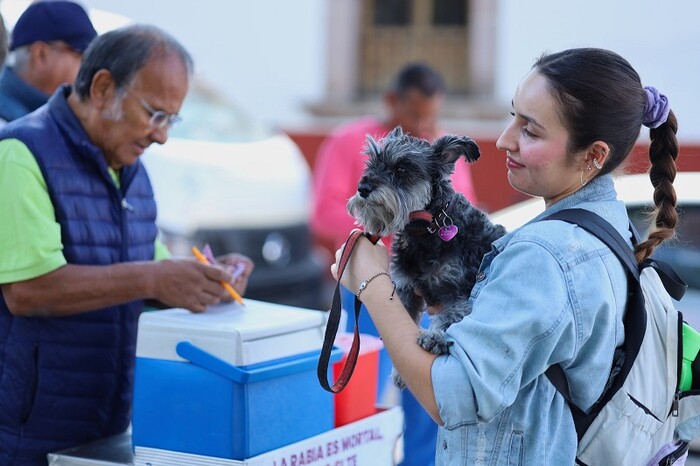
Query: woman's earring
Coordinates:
[597,164]
[583,183]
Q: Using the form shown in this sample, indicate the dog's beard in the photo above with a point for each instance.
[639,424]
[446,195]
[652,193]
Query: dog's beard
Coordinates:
[384,211]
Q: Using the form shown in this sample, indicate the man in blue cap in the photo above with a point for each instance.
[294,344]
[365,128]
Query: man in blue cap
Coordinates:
[47,44]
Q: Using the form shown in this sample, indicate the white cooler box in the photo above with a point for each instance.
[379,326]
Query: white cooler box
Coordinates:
[231,382]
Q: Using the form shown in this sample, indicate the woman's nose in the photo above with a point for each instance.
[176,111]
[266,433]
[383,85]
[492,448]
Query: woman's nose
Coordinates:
[506,141]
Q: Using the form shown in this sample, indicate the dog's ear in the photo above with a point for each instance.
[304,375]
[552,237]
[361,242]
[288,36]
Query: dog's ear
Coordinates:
[371,146]
[449,148]
[397,132]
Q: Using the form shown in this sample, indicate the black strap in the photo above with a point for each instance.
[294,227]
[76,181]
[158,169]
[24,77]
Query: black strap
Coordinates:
[674,284]
[334,322]
[601,229]
[635,314]
[332,329]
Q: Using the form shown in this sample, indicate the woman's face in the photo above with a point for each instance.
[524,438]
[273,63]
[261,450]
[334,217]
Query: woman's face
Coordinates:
[535,145]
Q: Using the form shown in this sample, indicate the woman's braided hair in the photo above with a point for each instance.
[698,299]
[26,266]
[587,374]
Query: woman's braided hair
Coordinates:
[601,98]
[663,152]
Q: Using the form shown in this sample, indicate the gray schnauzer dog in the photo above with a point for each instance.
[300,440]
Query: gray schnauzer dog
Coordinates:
[439,237]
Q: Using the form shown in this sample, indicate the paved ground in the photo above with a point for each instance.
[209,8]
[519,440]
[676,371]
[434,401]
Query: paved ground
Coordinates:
[693,460]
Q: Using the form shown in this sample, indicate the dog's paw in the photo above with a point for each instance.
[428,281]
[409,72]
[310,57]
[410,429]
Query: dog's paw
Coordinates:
[434,341]
[398,381]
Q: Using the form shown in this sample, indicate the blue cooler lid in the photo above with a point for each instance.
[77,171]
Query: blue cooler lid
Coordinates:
[239,335]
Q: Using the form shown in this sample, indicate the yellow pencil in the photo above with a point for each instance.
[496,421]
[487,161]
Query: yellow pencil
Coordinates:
[234,294]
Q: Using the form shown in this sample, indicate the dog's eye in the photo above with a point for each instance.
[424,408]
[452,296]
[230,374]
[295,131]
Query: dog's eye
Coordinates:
[401,170]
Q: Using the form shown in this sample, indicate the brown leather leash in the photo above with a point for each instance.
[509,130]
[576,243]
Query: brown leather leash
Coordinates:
[334,322]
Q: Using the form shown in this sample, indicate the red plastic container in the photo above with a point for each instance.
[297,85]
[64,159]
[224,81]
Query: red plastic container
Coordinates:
[359,398]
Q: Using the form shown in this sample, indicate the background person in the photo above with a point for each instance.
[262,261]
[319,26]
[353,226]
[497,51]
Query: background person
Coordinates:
[47,43]
[3,40]
[79,238]
[577,116]
[413,101]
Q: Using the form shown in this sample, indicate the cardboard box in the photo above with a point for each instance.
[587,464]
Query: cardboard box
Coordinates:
[359,398]
[373,441]
[232,382]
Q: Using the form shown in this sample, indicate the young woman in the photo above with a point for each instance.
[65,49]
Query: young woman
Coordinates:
[549,292]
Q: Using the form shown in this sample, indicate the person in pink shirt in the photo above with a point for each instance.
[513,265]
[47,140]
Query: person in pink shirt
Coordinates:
[413,101]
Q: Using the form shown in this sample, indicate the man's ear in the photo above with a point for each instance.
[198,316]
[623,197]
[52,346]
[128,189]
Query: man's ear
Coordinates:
[39,54]
[102,88]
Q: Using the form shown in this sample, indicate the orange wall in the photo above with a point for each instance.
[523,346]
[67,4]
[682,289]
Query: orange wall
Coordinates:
[489,172]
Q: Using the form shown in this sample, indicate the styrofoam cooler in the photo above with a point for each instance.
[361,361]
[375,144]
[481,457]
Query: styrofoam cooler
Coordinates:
[358,399]
[231,382]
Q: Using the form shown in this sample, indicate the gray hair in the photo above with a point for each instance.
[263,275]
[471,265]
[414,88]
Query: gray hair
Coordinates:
[19,58]
[123,52]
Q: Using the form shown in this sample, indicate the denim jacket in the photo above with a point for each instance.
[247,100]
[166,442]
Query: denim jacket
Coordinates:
[548,293]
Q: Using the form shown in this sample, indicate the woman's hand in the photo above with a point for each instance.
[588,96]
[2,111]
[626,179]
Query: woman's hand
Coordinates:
[366,260]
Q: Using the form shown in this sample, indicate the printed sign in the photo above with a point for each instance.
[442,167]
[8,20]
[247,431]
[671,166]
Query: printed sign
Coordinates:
[372,441]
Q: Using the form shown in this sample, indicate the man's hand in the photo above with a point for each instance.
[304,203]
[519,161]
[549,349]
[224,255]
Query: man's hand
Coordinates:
[189,284]
[240,267]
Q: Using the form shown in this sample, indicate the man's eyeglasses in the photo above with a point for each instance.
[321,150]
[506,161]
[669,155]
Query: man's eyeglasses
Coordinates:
[160,119]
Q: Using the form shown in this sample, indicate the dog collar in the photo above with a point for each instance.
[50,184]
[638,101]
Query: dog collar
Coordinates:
[423,222]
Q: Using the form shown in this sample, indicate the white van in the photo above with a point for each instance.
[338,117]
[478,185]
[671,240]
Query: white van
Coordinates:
[222,179]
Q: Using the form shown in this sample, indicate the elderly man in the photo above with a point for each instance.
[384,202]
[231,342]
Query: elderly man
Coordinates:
[47,44]
[79,241]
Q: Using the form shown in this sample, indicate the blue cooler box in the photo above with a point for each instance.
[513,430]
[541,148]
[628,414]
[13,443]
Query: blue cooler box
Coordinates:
[232,382]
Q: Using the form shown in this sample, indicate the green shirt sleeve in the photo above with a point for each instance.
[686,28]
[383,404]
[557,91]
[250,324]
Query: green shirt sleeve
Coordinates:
[29,233]
[161,251]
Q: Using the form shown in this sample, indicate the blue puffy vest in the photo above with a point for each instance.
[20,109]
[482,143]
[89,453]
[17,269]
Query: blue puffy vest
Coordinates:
[67,381]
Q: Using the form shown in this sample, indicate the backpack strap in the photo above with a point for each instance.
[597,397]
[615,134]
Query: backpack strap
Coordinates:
[601,229]
[675,286]
[635,313]
[634,320]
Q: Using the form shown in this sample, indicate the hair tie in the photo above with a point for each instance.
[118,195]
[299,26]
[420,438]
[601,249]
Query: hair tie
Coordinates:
[656,108]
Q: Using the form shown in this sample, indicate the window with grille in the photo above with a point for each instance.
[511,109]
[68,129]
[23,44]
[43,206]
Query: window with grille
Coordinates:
[395,32]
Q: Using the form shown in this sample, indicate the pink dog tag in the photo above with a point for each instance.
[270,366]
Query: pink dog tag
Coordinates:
[446,233]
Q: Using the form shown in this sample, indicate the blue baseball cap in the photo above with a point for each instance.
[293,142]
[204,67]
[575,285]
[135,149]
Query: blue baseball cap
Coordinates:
[52,20]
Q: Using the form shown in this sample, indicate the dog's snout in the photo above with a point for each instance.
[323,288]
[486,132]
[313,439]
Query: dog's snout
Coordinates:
[364,188]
